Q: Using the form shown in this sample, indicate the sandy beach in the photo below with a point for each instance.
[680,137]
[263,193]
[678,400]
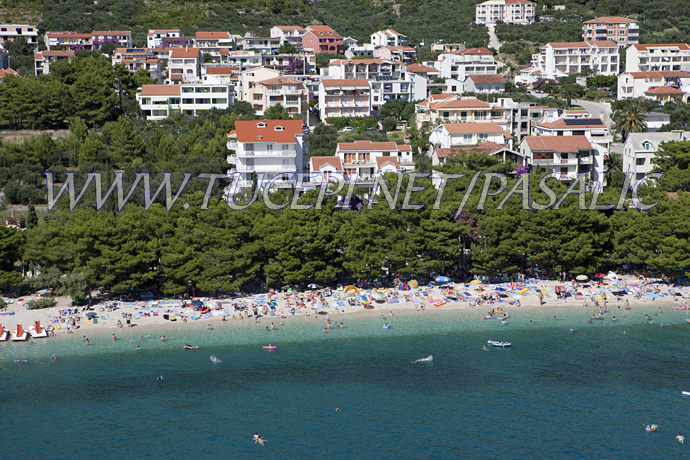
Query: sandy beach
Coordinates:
[504,300]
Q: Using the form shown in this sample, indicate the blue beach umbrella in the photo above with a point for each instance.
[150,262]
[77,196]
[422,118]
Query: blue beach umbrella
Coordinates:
[442,279]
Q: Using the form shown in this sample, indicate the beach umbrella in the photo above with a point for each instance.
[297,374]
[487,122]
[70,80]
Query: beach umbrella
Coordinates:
[442,279]
[91,315]
[313,286]
[582,278]
[475,282]
[599,275]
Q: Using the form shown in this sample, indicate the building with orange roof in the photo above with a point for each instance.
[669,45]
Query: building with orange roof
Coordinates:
[245,59]
[290,93]
[135,59]
[158,102]
[289,34]
[60,40]
[365,159]
[264,45]
[635,85]
[451,108]
[344,98]
[440,155]
[184,65]
[8,73]
[658,57]
[212,42]
[269,150]
[565,157]
[484,83]
[388,37]
[622,31]
[322,39]
[404,54]
[459,64]
[43,59]
[507,11]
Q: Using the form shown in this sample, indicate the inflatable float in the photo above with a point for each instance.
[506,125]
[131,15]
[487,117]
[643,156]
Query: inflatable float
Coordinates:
[269,347]
[651,427]
[499,344]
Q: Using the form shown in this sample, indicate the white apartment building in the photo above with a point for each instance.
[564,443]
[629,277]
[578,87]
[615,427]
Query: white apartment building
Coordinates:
[119,37]
[622,31]
[44,59]
[184,65]
[560,59]
[158,102]
[244,59]
[250,77]
[451,108]
[273,148]
[135,59]
[289,34]
[363,160]
[264,45]
[484,84]
[508,11]
[155,38]
[639,150]
[450,135]
[635,85]
[459,64]
[213,42]
[291,94]
[67,40]
[344,98]
[9,32]
[562,156]
[365,50]
[663,57]
[223,75]
[388,37]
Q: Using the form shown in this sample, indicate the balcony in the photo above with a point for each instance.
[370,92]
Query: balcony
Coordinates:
[267,153]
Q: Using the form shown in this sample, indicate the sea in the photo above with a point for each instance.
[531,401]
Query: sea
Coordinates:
[355,392]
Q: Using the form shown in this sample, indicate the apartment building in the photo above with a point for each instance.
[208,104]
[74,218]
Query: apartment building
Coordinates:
[562,156]
[388,37]
[363,161]
[663,57]
[440,155]
[344,98]
[523,117]
[291,94]
[44,59]
[484,83]
[365,50]
[289,34]
[156,38]
[459,64]
[405,54]
[213,42]
[268,150]
[635,85]
[9,32]
[68,40]
[158,102]
[639,150]
[564,58]
[290,64]
[451,108]
[322,39]
[184,65]
[622,31]
[118,37]
[450,135]
[264,45]
[243,59]
[136,59]
[250,77]
[507,11]
[223,75]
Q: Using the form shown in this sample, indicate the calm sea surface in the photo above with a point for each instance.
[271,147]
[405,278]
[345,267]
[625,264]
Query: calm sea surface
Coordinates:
[554,394]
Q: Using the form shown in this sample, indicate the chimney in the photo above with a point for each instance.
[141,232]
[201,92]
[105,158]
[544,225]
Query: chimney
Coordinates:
[677,135]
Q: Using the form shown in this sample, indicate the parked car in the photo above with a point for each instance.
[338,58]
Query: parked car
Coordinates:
[348,129]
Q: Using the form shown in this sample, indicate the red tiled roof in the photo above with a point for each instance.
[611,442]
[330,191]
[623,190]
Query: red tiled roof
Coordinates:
[460,128]
[221,70]
[469,51]
[354,82]
[280,81]
[459,104]
[358,61]
[520,2]
[206,35]
[485,147]
[290,28]
[488,79]
[682,46]
[560,144]
[319,162]
[399,48]
[250,131]
[53,53]
[369,146]
[7,72]
[609,20]
[106,33]
[160,90]
[392,32]
[664,90]
[421,68]
[185,53]
[67,35]
[599,43]
[323,31]
[676,73]
[383,161]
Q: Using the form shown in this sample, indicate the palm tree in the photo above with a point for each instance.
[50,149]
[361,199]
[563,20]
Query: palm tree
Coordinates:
[614,169]
[631,120]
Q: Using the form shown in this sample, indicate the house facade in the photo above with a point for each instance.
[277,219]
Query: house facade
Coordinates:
[560,59]
[565,157]
[158,102]
[465,134]
[639,150]
[451,108]
[484,83]
[10,32]
[662,57]
[507,11]
[635,85]
[322,39]
[622,31]
[184,65]
[155,38]
[344,98]
[291,94]
[44,59]
[388,37]
[460,64]
[273,148]
[289,34]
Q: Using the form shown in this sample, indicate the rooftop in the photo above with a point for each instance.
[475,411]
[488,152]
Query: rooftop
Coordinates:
[369,146]
[467,128]
[160,90]
[278,131]
[559,144]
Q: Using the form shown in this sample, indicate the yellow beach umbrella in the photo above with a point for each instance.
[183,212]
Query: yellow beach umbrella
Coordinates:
[475,282]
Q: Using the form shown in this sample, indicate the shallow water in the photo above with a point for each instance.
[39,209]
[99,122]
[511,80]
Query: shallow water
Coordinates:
[554,394]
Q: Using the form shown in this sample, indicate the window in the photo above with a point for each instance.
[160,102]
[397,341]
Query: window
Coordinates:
[467,138]
[249,147]
[640,161]
[269,147]
[646,145]
[483,137]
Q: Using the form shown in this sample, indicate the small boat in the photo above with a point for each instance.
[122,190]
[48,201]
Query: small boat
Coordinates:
[428,359]
[651,427]
[498,344]
[37,331]
[685,393]
[21,361]
[269,347]
[3,334]
[20,334]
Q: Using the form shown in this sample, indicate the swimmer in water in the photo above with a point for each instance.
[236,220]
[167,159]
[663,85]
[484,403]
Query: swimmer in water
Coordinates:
[325,330]
[680,438]
[571,330]
[209,328]
[212,358]
[54,357]
[189,347]
[138,347]
[160,377]
[337,409]
[162,338]
[114,338]
[484,348]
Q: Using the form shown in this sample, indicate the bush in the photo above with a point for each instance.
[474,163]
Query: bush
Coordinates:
[40,304]
[389,123]
[356,122]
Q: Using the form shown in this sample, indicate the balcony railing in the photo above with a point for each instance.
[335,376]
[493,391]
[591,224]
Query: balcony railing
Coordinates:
[266,153]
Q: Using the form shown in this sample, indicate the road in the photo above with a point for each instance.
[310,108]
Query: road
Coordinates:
[597,109]
[493,39]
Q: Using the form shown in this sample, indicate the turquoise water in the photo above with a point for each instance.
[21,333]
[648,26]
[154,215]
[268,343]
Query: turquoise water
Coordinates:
[554,394]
